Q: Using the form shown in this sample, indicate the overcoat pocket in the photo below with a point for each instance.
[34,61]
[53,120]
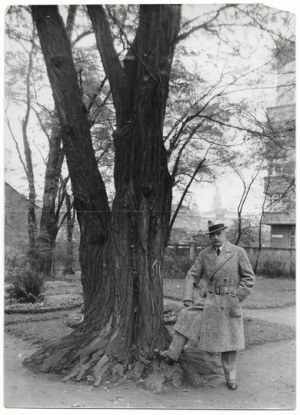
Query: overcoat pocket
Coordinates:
[235,308]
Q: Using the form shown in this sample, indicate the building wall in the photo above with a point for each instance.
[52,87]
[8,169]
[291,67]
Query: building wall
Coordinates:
[16,210]
[281,236]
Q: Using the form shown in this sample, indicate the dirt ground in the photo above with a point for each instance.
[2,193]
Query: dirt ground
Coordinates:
[266,377]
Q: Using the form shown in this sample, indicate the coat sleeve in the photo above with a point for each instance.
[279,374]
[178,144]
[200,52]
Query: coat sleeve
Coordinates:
[247,277]
[193,277]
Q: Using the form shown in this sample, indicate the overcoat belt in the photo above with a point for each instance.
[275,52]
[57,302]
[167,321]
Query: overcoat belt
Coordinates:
[224,282]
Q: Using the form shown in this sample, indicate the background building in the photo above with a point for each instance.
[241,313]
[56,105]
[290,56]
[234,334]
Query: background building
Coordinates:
[16,222]
[279,185]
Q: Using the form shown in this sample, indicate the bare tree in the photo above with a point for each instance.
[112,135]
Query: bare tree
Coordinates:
[27,163]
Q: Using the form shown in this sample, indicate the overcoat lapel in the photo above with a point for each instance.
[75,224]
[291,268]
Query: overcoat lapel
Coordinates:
[211,254]
[219,261]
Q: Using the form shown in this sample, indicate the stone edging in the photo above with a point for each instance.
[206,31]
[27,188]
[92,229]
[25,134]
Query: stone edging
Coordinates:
[42,309]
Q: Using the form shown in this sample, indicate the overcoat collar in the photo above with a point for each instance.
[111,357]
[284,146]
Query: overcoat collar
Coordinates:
[223,257]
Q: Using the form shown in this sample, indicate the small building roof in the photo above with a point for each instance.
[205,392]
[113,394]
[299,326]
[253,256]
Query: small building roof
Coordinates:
[280,218]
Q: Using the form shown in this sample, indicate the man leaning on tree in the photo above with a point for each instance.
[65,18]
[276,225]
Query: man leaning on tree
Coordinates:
[226,278]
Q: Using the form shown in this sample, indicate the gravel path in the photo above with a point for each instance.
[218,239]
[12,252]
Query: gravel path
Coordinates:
[266,375]
[266,381]
[283,315]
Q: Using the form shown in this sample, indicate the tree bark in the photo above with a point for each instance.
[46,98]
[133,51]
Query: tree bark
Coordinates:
[70,226]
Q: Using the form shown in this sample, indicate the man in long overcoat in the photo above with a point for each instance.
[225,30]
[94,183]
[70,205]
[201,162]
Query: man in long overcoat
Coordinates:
[225,276]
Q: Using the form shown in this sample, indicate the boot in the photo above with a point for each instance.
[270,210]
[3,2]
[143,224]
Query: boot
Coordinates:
[171,355]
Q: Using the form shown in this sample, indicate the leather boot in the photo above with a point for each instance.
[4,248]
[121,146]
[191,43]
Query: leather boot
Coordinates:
[171,355]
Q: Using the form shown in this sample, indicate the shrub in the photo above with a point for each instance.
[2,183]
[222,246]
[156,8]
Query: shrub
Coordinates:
[13,260]
[26,284]
[175,266]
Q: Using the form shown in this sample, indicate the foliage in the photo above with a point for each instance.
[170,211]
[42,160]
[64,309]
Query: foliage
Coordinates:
[175,266]
[12,260]
[26,283]
[60,255]
[248,235]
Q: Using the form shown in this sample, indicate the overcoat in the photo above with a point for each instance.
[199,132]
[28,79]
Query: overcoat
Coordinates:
[218,327]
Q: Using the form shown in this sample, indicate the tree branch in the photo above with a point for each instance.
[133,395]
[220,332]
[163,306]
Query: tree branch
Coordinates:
[110,60]
[285,193]
[41,124]
[71,20]
[38,149]
[184,193]
[261,27]
[93,99]
[203,25]
[16,143]
[248,130]
[186,142]
[82,35]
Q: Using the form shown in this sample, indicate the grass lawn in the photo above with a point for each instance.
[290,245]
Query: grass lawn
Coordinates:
[267,292]
[38,328]
[41,328]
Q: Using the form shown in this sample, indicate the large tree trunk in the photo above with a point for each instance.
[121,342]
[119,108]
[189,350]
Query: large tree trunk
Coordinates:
[120,253]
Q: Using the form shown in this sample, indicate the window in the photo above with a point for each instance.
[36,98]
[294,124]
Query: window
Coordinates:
[275,200]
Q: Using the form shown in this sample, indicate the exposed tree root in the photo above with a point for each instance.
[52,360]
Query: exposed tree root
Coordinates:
[198,366]
[163,376]
[100,369]
[94,366]
[83,356]
[194,367]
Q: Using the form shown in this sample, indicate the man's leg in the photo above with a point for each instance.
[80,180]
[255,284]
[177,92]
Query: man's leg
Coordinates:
[229,362]
[172,354]
[176,346]
[187,327]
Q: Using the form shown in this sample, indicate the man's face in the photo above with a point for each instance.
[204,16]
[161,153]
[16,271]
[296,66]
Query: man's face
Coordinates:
[218,238]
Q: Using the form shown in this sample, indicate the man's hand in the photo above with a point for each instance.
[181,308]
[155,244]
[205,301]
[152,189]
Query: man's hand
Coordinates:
[187,303]
[202,292]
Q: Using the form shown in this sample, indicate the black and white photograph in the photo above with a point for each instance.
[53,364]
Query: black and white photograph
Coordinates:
[149,206]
